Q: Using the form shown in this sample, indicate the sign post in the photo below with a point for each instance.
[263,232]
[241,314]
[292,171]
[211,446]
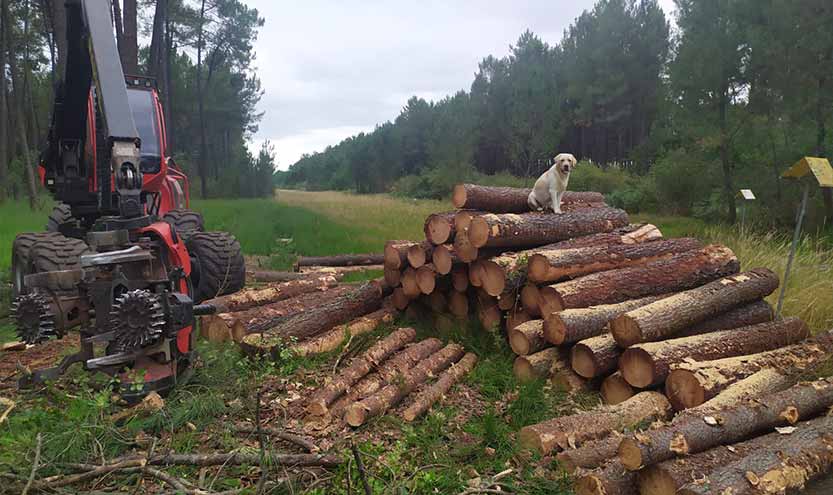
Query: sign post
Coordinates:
[808,170]
[745,195]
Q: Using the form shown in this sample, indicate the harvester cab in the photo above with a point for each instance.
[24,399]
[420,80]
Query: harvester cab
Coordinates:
[122,259]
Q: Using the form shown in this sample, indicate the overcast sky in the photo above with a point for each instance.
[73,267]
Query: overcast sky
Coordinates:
[332,69]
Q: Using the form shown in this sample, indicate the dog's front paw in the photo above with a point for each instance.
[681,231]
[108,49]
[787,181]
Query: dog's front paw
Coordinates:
[558,211]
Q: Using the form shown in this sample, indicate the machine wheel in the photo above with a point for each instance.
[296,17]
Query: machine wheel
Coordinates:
[61,214]
[21,249]
[217,265]
[57,253]
[185,222]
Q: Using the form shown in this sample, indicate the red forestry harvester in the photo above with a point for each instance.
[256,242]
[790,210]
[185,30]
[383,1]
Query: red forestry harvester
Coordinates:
[122,257]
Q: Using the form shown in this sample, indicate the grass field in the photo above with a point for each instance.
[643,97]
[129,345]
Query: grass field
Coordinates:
[470,436]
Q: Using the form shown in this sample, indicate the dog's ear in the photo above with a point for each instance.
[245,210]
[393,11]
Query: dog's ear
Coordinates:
[573,160]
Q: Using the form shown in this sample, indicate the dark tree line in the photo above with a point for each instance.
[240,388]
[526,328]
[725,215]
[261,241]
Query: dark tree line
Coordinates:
[200,53]
[735,94]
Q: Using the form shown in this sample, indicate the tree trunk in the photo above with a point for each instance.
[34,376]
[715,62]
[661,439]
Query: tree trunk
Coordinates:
[508,199]
[764,382]
[4,107]
[270,334]
[667,477]
[690,433]
[646,365]
[358,368]
[630,234]
[340,260]
[439,227]
[662,318]
[821,137]
[130,56]
[572,325]
[615,389]
[119,26]
[332,339]
[590,455]
[596,356]
[156,60]
[537,229]
[528,338]
[356,414]
[680,272]
[202,166]
[425,399]
[539,364]
[691,384]
[20,120]
[560,264]
[612,479]
[396,254]
[59,35]
[251,297]
[780,466]
[725,155]
[419,254]
[568,431]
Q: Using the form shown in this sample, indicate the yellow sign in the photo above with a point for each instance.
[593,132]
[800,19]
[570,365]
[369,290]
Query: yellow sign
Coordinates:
[819,167]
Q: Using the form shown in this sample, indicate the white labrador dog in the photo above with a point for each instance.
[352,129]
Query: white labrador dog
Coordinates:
[550,187]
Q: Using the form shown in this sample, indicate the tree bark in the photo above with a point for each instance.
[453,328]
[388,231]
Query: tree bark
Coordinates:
[425,399]
[439,227]
[539,364]
[630,234]
[332,339]
[572,325]
[780,466]
[528,338]
[276,276]
[537,229]
[508,199]
[560,264]
[615,389]
[646,365]
[119,27]
[608,480]
[680,272]
[591,455]
[251,297]
[691,432]
[568,431]
[270,334]
[340,260]
[396,254]
[358,368]
[130,54]
[20,120]
[59,34]
[4,108]
[662,318]
[356,414]
[764,382]
[202,166]
[691,384]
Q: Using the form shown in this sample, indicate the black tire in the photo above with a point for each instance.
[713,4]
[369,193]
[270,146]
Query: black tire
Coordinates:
[21,249]
[57,253]
[61,214]
[217,265]
[184,222]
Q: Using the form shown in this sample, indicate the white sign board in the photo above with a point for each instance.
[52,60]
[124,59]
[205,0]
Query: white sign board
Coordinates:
[747,194]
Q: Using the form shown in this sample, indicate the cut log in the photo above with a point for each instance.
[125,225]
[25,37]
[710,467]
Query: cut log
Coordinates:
[234,326]
[443,258]
[410,285]
[528,338]
[330,341]
[646,365]
[476,273]
[426,278]
[679,272]
[531,299]
[764,382]
[338,271]
[273,276]
[537,365]
[437,301]
[462,219]
[691,384]
[439,227]
[419,254]
[251,297]
[693,431]
[458,303]
[274,332]
[612,479]
[750,314]
[630,234]
[488,312]
[784,465]
[340,260]
[396,254]
[400,299]
[572,325]
[358,368]
[667,477]
[515,317]
[559,264]
[537,229]
[562,374]
[426,398]
[568,431]
[596,356]
[357,413]
[393,277]
[590,455]
[464,249]
[509,199]
[663,318]
[615,389]
[505,272]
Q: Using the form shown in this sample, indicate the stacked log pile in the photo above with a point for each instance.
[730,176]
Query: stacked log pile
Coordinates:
[587,300]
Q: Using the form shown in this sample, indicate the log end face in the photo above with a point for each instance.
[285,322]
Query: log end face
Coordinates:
[581,359]
[530,298]
[439,229]
[537,268]
[590,484]
[493,278]
[555,331]
[478,233]
[630,454]
[355,415]
[441,257]
[317,408]
[459,196]
[549,301]
[625,331]
[684,390]
[523,370]
[790,414]
[416,255]
[656,481]
[616,390]
[637,367]
[518,342]
[531,440]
